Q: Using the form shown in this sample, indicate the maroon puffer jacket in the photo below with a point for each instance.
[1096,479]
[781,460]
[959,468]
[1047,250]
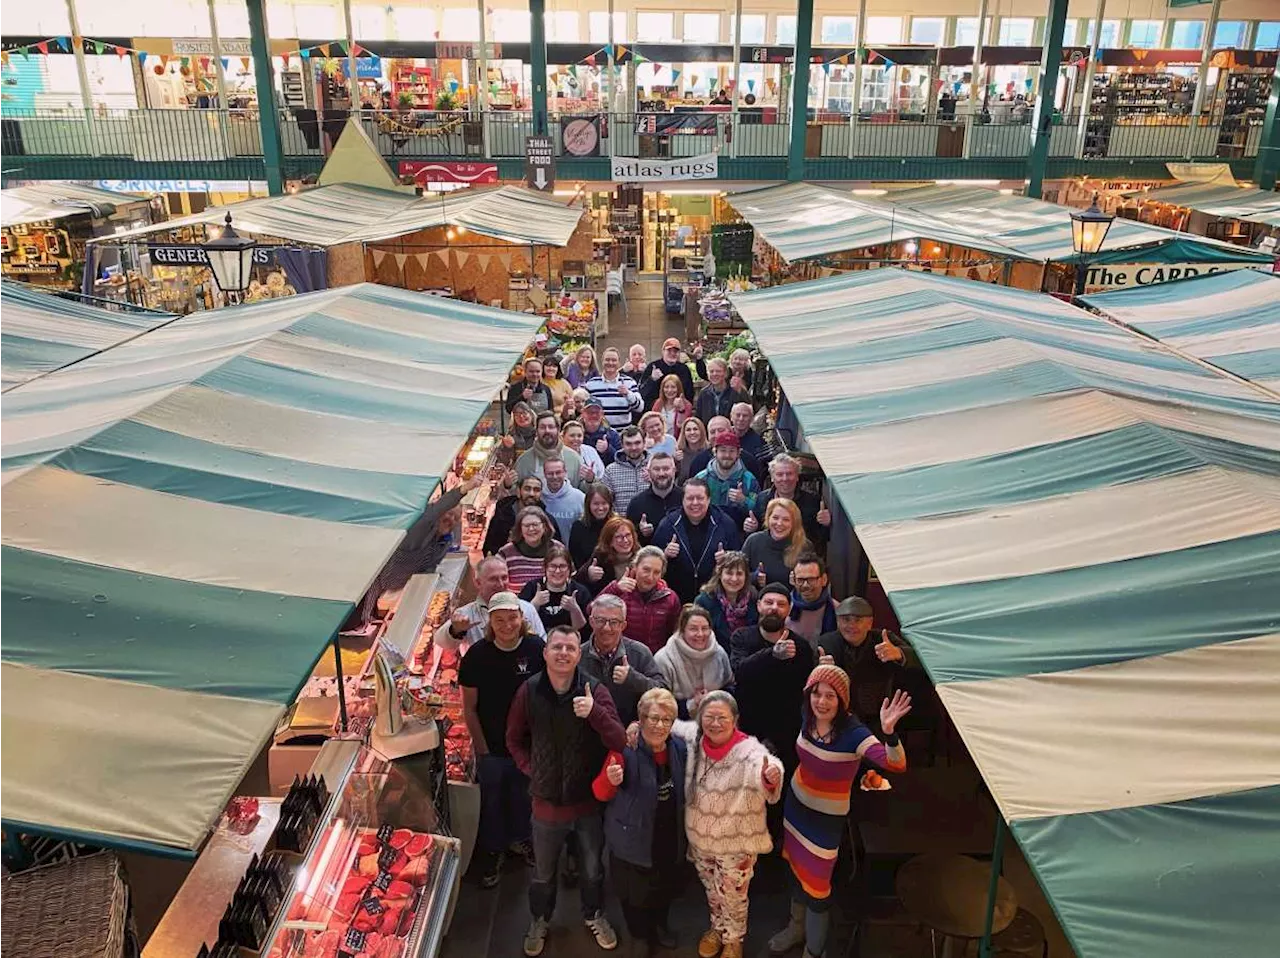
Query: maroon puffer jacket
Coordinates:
[650,618]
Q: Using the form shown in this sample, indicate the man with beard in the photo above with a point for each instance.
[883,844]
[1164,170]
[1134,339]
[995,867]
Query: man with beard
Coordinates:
[531,389]
[668,364]
[691,537]
[597,433]
[547,445]
[650,506]
[716,427]
[733,487]
[784,473]
[627,476]
[770,664]
[813,611]
[528,493]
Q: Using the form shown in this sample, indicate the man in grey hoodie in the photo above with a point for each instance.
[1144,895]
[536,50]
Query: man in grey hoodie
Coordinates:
[562,502]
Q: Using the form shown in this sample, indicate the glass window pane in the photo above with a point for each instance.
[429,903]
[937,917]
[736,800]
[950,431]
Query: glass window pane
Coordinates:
[928,30]
[1017,31]
[1110,34]
[369,23]
[785,31]
[884,30]
[701,28]
[1187,35]
[462,24]
[1268,35]
[414,23]
[233,20]
[753,27]
[561,26]
[598,26]
[655,27]
[1144,33]
[839,29]
[1230,33]
[508,26]
[967,31]
[50,19]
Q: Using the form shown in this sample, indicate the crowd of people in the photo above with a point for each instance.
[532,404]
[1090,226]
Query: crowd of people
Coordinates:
[655,663]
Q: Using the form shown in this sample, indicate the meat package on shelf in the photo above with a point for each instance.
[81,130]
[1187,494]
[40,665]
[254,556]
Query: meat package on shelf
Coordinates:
[364,896]
[440,668]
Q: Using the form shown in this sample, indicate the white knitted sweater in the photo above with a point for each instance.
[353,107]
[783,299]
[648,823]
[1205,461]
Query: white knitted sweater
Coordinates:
[725,814]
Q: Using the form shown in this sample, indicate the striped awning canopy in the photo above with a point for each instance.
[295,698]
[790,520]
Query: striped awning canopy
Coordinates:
[42,332]
[1080,533]
[1229,319]
[802,221]
[1217,199]
[37,202]
[344,213]
[207,503]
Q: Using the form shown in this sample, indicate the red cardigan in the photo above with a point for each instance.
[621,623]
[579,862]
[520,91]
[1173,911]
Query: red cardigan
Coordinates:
[650,619]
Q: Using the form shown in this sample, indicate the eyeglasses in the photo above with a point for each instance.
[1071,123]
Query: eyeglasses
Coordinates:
[806,579]
[607,623]
[658,720]
[717,720]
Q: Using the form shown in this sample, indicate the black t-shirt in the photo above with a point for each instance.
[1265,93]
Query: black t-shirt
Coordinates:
[553,613]
[497,676]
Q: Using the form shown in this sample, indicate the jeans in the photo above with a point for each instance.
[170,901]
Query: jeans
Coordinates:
[505,807]
[548,839]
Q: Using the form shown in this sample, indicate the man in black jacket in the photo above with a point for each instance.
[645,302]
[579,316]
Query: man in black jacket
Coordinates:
[718,396]
[531,389]
[691,537]
[561,726]
[650,506]
[668,364]
[770,666]
[784,476]
[528,493]
[874,663]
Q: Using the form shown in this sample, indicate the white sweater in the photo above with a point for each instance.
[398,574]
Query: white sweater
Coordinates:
[725,814]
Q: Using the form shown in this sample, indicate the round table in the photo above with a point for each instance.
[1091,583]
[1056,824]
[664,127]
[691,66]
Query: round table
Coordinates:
[949,894]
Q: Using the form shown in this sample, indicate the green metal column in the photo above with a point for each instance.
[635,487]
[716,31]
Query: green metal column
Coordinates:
[1042,119]
[800,90]
[538,63]
[268,114]
[1268,164]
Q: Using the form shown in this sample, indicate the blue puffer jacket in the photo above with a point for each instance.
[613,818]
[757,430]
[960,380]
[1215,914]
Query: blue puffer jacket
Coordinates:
[628,818]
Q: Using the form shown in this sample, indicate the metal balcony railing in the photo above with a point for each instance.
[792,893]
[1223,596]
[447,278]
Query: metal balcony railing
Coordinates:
[186,135]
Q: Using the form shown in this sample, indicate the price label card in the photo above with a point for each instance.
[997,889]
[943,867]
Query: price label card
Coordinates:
[372,906]
[383,881]
[353,943]
[388,858]
[384,833]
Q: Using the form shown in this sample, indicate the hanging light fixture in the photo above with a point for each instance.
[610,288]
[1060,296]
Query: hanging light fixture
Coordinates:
[1088,232]
[230,258]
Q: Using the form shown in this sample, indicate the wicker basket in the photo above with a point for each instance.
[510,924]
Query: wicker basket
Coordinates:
[72,909]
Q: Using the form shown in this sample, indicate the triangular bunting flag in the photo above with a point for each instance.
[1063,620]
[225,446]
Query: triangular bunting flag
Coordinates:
[244,64]
[43,47]
[423,259]
[608,50]
[284,58]
[400,260]
[323,48]
[65,44]
[305,54]
[591,60]
[826,68]
[26,52]
[4,58]
[378,257]
[98,47]
[484,260]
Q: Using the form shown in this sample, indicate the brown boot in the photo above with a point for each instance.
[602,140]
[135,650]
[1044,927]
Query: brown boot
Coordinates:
[710,943]
[732,949]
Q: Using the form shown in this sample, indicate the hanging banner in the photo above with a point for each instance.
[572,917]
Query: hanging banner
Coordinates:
[1127,275]
[699,124]
[400,261]
[173,254]
[378,257]
[626,169]
[437,171]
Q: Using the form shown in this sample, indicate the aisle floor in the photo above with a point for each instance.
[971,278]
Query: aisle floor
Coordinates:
[645,321]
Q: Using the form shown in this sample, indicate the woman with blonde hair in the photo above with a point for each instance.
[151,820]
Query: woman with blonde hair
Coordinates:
[772,552]
[693,440]
[583,367]
[672,404]
[656,436]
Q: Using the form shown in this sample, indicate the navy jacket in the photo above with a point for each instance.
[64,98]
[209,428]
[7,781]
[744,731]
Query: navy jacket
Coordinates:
[687,572]
[628,819]
[724,632]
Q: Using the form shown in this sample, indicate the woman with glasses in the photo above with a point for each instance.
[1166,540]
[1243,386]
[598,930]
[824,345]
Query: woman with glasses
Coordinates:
[558,599]
[644,826]
[614,554]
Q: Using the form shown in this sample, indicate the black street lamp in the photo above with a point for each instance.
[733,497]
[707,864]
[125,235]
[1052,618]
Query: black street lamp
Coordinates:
[1088,231]
[231,259]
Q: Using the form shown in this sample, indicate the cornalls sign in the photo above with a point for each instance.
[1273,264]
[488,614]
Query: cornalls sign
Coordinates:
[627,169]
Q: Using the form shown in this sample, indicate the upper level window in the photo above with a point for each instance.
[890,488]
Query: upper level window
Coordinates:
[785,31]
[929,30]
[1145,33]
[753,27]
[654,27]
[598,26]
[701,28]
[839,29]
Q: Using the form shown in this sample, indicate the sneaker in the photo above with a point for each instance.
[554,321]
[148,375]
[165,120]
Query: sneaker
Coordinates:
[602,931]
[535,939]
[492,873]
[523,849]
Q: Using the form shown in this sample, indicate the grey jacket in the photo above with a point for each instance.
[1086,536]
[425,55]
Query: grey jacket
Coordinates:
[645,674]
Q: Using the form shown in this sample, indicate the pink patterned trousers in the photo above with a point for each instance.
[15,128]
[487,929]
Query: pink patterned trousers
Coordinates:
[726,879]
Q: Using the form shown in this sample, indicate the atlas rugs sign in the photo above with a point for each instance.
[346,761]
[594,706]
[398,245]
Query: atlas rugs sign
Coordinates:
[469,173]
[1126,275]
[626,169]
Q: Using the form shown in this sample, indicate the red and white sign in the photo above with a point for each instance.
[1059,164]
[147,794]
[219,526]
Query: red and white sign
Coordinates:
[428,171]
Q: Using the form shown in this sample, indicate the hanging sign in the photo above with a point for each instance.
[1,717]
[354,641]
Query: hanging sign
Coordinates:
[540,163]
[1126,275]
[580,136]
[197,46]
[428,171]
[698,124]
[626,169]
[174,254]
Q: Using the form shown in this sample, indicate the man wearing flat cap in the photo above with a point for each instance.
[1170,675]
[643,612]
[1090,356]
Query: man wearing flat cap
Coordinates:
[873,660]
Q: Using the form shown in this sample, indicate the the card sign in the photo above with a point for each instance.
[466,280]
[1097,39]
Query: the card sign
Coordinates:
[627,169]
[1127,275]
[540,162]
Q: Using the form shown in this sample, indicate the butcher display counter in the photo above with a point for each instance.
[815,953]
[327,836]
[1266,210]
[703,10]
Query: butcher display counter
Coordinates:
[358,865]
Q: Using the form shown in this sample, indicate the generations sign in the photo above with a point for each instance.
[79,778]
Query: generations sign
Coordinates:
[630,169]
[172,254]
[1127,275]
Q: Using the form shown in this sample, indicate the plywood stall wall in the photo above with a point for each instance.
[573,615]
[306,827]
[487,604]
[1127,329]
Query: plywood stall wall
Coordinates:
[483,267]
[346,265]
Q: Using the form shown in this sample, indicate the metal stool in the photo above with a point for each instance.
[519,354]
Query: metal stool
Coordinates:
[1024,937]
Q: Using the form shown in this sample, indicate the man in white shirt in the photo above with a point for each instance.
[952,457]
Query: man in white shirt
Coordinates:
[467,624]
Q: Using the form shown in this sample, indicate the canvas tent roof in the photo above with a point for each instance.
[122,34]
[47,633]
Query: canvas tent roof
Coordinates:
[1080,533]
[205,505]
[1231,320]
[344,213]
[1217,199]
[42,332]
[801,221]
[50,201]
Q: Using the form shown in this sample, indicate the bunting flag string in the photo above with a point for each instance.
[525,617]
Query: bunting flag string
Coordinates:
[401,258]
[378,257]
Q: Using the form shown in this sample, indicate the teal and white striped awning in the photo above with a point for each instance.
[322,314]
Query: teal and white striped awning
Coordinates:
[802,221]
[196,512]
[1229,319]
[1216,199]
[345,213]
[42,332]
[37,202]
[1080,533]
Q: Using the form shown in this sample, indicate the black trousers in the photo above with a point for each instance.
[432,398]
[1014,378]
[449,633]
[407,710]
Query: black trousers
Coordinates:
[645,894]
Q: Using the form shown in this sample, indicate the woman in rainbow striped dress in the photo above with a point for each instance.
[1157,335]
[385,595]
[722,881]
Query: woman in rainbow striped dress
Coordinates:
[831,747]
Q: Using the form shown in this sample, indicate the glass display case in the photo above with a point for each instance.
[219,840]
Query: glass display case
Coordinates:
[378,874]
